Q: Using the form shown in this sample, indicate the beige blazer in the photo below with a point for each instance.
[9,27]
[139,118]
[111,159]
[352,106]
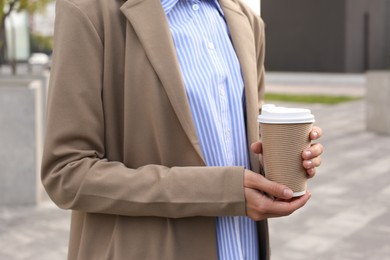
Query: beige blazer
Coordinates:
[121,148]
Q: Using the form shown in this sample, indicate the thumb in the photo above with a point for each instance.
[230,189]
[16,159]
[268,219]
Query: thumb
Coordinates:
[257,181]
[257,147]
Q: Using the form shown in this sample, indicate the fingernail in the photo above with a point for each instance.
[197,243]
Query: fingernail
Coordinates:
[309,164]
[287,193]
[307,154]
[315,134]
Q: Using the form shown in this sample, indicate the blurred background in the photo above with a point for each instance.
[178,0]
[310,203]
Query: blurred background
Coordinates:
[26,29]
[331,56]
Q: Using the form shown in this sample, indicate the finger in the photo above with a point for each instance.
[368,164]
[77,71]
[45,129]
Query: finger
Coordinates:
[257,181]
[257,147]
[284,208]
[313,151]
[315,162]
[311,172]
[315,133]
[260,207]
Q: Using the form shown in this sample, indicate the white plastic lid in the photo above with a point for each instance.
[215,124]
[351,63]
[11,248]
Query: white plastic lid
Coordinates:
[271,114]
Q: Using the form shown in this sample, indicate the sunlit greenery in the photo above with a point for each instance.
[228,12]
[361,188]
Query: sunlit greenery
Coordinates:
[322,99]
[7,7]
[31,6]
[41,43]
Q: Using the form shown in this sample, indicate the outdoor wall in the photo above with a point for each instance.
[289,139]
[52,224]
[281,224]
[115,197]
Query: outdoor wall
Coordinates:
[378,25]
[387,30]
[356,45]
[327,35]
[304,35]
[23,102]
[367,35]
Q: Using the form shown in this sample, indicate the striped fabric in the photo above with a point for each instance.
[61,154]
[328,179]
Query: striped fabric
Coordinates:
[215,91]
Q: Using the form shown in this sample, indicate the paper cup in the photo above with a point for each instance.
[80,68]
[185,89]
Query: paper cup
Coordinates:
[285,134]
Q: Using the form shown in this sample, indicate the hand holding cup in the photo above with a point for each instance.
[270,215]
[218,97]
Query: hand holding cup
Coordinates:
[285,134]
[267,198]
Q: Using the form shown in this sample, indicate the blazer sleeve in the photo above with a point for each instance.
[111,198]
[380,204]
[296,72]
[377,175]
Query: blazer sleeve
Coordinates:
[75,172]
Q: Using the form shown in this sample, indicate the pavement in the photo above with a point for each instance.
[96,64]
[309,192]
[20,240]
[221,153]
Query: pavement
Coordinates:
[347,218]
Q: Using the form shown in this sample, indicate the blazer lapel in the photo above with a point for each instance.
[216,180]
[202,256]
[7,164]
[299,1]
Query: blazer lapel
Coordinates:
[243,41]
[148,20]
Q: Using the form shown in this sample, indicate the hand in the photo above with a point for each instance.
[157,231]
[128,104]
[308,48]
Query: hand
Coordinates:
[259,206]
[312,156]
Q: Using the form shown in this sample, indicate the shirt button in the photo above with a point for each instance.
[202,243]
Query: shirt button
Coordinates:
[221,92]
[227,133]
[195,7]
[211,45]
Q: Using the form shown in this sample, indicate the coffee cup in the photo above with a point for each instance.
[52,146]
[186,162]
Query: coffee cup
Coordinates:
[285,134]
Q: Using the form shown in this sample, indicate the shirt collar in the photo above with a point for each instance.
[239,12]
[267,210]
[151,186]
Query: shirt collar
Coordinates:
[167,5]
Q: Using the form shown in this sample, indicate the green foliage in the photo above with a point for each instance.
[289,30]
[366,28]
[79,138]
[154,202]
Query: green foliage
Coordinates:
[9,6]
[40,43]
[322,99]
[31,6]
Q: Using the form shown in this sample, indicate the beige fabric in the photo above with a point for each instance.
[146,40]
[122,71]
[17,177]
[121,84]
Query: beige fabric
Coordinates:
[121,148]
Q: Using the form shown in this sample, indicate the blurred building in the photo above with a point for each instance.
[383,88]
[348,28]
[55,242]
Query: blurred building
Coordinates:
[327,35]
[18,43]
[19,27]
[254,4]
[43,23]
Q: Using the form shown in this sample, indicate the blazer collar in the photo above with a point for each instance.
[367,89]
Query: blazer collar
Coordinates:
[149,22]
[167,5]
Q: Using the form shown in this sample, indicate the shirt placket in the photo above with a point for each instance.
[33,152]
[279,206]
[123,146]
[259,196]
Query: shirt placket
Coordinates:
[221,96]
[226,121]
[223,99]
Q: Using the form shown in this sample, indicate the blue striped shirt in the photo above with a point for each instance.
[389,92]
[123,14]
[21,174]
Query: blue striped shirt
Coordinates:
[215,91]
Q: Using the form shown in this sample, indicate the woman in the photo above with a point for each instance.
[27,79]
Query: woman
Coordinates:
[125,148]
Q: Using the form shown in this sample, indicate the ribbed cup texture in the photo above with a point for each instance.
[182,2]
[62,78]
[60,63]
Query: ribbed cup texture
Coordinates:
[283,145]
